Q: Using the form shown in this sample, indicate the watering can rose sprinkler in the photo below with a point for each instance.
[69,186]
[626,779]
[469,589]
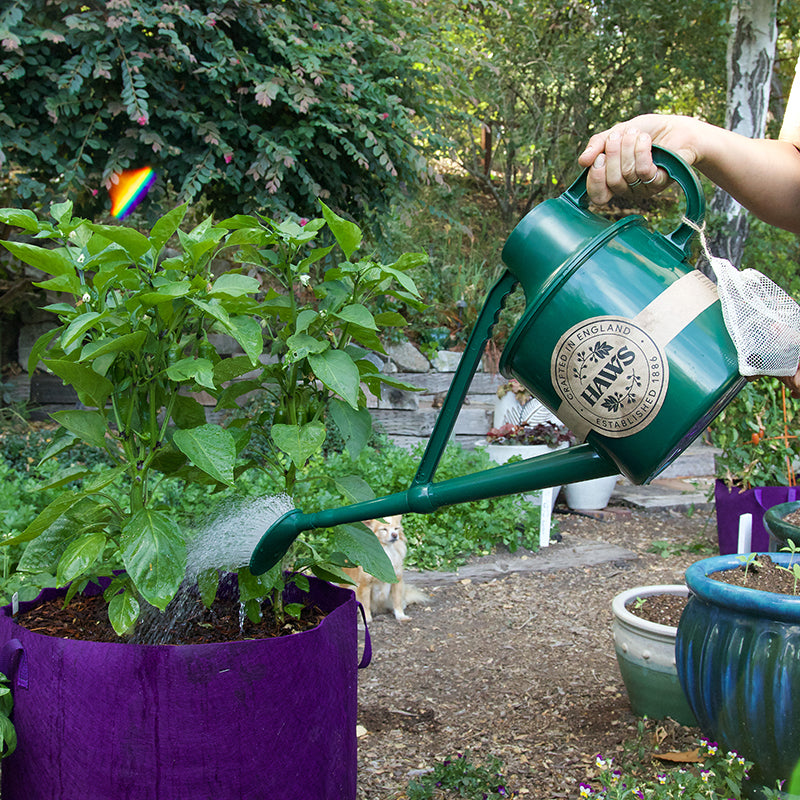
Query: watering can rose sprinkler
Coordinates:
[621,338]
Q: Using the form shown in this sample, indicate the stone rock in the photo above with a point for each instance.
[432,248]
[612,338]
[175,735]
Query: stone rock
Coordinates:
[446,361]
[398,399]
[376,360]
[408,358]
[224,345]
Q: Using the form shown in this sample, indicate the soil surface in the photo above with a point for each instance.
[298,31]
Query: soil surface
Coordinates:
[513,657]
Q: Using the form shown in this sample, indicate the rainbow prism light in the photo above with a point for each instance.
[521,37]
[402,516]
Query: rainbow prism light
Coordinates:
[129,190]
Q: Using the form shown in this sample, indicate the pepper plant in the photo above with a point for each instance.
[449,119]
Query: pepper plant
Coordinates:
[136,343]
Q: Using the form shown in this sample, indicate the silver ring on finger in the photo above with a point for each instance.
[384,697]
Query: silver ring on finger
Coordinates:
[635,183]
[648,182]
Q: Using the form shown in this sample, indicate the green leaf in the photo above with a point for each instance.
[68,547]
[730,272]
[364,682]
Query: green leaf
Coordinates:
[8,736]
[80,556]
[64,477]
[199,370]
[338,373]
[208,583]
[355,425]
[247,331]
[105,478]
[358,315]
[301,345]
[117,344]
[304,319]
[74,332]
[123,611]
[215,310]
[404,280]
[154,555]
[362,547]
[331,573]
[229,368]
[61,212]
[47,516]
[21,217]
[232,284]
[40,347]
[165,227]
[92,389]
[347,234]
[165,293]
[294,609]
[53,262]
[390,319]
[131,241]
[353,488]
[87,425]
[188,413]
[210,448]
[299,442]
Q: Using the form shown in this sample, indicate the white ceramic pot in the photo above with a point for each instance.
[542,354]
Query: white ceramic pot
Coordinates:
[646,657]
[590,495]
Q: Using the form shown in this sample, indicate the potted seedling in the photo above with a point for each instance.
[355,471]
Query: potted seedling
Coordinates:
[245,719]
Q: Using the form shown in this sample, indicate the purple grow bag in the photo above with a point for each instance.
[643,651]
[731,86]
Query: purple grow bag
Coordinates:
[732,503]
[256,719]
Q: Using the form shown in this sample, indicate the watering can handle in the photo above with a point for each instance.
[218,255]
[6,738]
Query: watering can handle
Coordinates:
[470,359]
[679,171]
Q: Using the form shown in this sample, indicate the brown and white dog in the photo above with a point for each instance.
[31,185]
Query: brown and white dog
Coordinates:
[377,595]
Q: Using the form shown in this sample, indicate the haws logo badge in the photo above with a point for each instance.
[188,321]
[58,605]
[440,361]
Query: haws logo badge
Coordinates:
[612,374]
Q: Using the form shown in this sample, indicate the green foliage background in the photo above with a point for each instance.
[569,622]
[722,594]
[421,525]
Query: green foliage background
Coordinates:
[255,105]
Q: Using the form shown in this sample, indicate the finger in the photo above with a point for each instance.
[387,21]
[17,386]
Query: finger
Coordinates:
[627,158]
[653,179]
[595,146]
[596,186]
[614,178]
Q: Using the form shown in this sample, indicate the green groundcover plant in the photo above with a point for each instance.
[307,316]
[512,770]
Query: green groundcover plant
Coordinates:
[447,537]
[460,776]
[137,344]
[718,775]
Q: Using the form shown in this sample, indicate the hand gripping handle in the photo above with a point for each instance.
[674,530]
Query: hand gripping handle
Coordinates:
[677,169]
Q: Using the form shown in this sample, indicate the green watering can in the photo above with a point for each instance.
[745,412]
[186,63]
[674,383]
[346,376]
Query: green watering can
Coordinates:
[621,338]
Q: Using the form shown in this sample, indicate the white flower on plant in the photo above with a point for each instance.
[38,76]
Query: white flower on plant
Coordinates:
[305,279]
[86,297]
[81,258]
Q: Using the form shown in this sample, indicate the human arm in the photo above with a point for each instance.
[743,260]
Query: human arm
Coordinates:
[762,174]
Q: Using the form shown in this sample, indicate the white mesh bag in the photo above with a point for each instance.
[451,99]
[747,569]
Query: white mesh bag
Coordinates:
[762,320]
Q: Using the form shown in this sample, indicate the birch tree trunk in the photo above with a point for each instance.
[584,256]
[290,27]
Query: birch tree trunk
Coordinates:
[751,53]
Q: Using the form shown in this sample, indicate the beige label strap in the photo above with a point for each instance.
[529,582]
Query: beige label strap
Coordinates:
[612,373]
[678,305]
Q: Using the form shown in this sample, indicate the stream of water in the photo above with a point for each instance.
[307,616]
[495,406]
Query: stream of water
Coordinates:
[225,542]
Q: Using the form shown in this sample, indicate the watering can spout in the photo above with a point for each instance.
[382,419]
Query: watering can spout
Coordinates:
[551,469]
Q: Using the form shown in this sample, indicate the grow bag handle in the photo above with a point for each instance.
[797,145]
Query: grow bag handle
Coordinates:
[13,659]
[367,657]
[791,496]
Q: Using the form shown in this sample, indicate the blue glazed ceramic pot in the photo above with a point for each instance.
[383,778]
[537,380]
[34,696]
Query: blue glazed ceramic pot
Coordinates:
[738,661]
